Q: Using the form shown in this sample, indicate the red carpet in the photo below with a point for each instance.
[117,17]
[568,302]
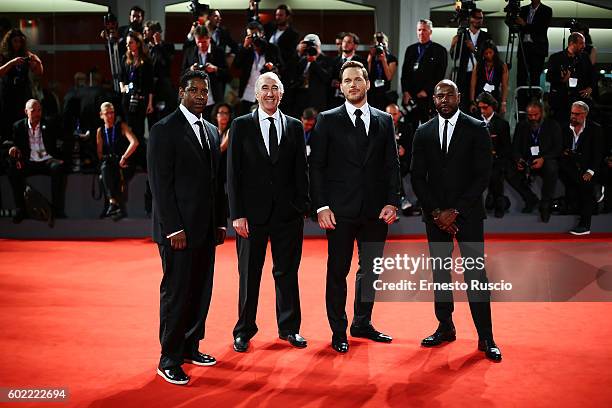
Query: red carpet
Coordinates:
[84,315]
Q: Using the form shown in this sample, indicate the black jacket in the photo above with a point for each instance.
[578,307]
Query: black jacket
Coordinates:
[187,189]
[431,70]
[256,184]
[350,181]
[217,79]
[549,140]
[459,180]
[589,151]
[538,29]
[20,138]
[499,130]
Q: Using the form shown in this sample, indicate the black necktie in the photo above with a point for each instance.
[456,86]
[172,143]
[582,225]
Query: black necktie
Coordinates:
[361,130]
[273,139]
[444,138]
[206,145]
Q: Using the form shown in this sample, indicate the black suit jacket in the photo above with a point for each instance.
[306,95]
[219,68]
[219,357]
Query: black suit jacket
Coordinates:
[244,62]
[21,139]
[187,189]
[590,148]
[459,180]
[499,129]
[538,29]
[432,69]
[349,181]
[258,185]
[550,140]
[319,79]
[287,43]
[217,79]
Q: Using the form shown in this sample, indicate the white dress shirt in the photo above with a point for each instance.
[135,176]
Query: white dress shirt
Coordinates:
[365,116]
[38,152]
[452,122]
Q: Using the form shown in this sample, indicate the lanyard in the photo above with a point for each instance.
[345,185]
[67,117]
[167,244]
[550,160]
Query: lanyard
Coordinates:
[421,49]
[535,136]
[110,142]
[489,74]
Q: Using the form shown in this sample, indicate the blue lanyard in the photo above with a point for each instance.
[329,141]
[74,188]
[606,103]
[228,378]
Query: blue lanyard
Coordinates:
[535,136]
[421,49]
[110,142]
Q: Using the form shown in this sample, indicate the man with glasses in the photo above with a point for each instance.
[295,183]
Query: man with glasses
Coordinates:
[188,222]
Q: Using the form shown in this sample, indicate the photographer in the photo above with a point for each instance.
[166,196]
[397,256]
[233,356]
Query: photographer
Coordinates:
[499,130]
[570,74]
[312,77]
[424,66]
[161,53]
[468,54]
[537,147]
[254,57]
[16,62]
[113,155]
[120,34]
[490,75]
[533,22]
[282,34]
[581,157]
[219,35]
[207,57]
[381,66]
[350,41]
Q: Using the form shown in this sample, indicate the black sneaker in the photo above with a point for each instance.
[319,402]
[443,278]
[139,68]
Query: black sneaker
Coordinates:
[174,375]
[580,230]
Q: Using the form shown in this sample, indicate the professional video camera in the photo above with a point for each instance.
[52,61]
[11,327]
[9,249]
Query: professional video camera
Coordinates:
[463,9]
[198,10]
[311,48]
[512,9]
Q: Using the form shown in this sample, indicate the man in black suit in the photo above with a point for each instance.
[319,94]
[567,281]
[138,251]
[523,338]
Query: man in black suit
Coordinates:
[536,149]
[267,183]
[354,174]
[499,130]
[424,66]
[451,166]
[350,41]
[219,35]
[209,58]
[533,21]
[255,57]
[188,221]
[280,33]
[581,158]
[33,150]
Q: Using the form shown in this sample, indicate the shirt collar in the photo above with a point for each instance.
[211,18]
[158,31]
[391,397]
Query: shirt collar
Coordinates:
[264,116]
[191,118]
[487,120]
[452,120]
[33,128]
[581,130]
[350,108]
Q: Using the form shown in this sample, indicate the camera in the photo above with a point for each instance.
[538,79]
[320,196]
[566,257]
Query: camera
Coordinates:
[463,9]
[258,40]
[26,60]
[198,10]
[513,10]
[311,48]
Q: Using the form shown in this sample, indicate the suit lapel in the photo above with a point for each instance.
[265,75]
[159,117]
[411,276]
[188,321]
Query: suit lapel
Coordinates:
[261,145]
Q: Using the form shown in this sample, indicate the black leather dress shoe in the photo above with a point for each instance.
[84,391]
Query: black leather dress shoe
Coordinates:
[174,375]
[370,333]
[492,352]
[438,338]
[295,340]
[241,344]
[201,359]
[341,346]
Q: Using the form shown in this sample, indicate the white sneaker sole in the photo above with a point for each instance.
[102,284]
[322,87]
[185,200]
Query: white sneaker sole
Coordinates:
[580,233]
[162,375]
[200,364]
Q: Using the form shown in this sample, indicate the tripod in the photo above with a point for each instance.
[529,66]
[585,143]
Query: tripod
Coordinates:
[113,54]
[513,33]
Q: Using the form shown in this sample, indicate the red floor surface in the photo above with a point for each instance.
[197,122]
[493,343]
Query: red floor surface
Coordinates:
[84,315]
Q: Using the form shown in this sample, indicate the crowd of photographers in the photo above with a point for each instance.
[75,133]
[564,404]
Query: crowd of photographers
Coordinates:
[103,129]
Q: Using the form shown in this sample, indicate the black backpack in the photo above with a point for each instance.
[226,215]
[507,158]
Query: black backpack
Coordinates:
[37,206]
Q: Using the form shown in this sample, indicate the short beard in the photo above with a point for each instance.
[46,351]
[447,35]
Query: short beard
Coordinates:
[357,99]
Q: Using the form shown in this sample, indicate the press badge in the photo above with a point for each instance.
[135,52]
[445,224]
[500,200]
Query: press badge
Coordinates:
[535,150]
[415,66]
[573,82]
[488,87]
[379,82]
[307,150]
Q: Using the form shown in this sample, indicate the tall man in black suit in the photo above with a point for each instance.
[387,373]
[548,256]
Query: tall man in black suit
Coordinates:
[33,150]
[188,221]
[267,183]
[533,21]
[582,156]
[354,173]
[451,166]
